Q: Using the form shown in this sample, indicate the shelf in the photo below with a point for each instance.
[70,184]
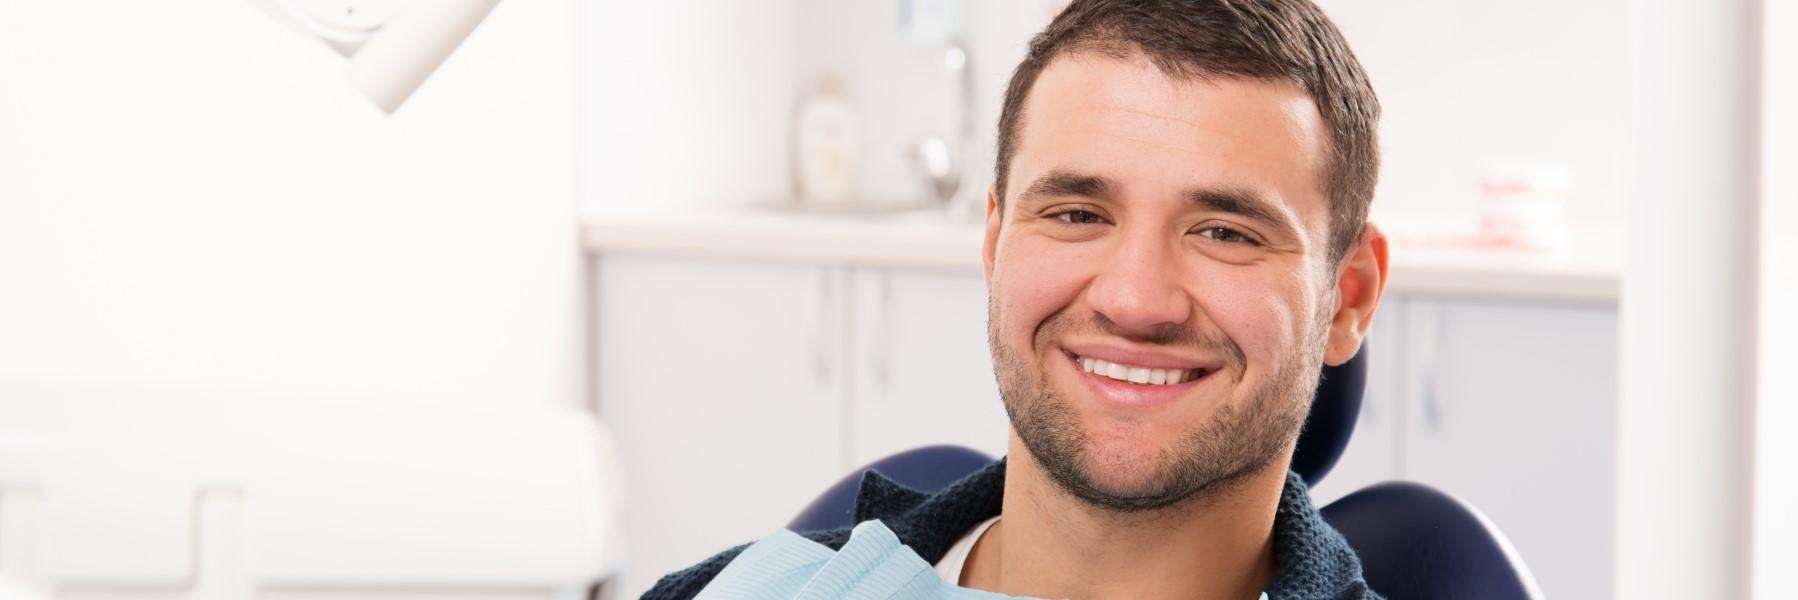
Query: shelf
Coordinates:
[1588,273]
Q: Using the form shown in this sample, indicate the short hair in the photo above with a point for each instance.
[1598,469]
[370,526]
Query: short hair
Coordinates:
[1279,40]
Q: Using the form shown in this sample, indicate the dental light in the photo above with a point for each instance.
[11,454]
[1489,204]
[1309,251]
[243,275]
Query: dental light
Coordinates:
[393,45]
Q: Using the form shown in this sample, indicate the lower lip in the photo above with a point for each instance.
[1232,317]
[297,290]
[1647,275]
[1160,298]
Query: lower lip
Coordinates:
[1133,395]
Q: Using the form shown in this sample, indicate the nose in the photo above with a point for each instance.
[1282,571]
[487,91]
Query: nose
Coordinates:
[1139,290]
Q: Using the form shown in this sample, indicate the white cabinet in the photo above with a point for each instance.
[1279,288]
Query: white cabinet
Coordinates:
[924,375]
[1507,405]
[1510,406]
[723,377]
[721,382]
[1513,409]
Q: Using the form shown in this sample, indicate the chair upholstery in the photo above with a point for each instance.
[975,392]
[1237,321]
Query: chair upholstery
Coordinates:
[927,469]
[1417,542]
[1335,408]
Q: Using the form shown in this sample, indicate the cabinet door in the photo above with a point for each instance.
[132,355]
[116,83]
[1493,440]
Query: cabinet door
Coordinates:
[1372,453]
[720,380]
[1513,410]
[923,372]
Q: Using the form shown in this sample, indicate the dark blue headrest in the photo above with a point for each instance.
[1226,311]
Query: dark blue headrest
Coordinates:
[1332,420]
[1417,542]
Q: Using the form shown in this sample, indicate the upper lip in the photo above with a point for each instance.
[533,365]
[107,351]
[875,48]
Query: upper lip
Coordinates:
[1137,356]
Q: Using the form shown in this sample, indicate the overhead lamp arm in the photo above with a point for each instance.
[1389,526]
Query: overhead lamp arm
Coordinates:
[393,45]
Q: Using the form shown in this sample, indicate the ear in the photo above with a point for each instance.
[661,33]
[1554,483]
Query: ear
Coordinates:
[990,247]
[1360,280]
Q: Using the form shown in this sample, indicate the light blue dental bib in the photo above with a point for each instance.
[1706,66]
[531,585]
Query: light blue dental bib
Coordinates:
[873,565]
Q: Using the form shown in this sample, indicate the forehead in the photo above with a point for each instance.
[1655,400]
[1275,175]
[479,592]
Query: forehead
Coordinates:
[1126,119]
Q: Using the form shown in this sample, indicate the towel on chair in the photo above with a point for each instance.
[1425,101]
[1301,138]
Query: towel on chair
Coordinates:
[872,565]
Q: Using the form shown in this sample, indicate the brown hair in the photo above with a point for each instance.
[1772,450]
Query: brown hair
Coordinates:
[1287,40]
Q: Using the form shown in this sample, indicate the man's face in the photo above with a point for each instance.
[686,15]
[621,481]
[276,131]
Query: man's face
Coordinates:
[1160,287]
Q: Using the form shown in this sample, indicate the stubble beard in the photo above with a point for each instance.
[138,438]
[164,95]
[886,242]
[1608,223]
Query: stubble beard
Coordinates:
[1241,439]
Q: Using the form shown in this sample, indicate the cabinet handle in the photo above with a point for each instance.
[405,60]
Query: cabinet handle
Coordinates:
[1433,328]
[819,314]
[1432,408]
[879,353]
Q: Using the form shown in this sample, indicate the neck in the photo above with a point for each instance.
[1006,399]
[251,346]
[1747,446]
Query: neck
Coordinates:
[1050,544]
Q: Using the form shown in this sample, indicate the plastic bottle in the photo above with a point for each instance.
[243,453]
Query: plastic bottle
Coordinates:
[826,147]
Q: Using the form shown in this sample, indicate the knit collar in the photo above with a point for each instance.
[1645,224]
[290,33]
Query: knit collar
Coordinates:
[1311,559]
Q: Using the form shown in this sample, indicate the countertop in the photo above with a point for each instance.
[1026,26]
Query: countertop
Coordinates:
[1422,262]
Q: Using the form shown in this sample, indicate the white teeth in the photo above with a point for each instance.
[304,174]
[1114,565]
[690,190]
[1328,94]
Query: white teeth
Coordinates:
[1138,375]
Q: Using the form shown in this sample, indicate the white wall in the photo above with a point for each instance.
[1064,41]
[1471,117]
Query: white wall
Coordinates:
[1465,84]
[190,193]
[686,102]
[901,89]
[1776,451]
[1686,312]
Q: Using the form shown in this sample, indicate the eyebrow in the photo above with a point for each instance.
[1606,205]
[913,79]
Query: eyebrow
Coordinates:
[1241,203]
[1063,183]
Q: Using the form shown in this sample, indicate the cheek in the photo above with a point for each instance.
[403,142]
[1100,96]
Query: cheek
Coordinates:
[1033,279]
[1257,310]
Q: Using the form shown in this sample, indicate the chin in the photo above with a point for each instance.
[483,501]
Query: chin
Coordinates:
[1125,459]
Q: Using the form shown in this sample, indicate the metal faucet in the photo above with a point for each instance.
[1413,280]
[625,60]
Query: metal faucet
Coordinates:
[946,165]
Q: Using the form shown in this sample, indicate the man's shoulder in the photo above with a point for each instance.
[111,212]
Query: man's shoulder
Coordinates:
[926,522]
[686,583]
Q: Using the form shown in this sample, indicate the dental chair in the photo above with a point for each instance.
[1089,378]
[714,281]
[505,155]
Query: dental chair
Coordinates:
[1414,541]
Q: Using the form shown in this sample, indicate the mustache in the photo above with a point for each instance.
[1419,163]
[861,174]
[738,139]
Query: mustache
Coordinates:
[1166,334]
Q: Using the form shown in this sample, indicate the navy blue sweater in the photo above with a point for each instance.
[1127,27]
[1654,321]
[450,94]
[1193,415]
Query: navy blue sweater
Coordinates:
[1312,561]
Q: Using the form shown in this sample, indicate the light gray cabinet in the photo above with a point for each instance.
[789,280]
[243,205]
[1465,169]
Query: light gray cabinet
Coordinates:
[924,373]
[721,380]
[721,376]
[1513,408]
[1508,405]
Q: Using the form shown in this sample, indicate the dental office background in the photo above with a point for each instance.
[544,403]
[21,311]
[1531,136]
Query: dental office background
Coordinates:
[266,332]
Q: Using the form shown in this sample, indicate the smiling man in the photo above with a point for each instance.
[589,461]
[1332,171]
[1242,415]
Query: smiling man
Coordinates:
[1175,244]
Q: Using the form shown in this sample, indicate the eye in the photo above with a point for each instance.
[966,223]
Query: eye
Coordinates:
[1227,235]
[1079,217]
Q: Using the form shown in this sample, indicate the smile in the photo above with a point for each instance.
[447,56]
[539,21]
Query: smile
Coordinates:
[1135,374]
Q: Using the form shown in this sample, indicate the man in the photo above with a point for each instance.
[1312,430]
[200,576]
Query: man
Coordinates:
[1175,245]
